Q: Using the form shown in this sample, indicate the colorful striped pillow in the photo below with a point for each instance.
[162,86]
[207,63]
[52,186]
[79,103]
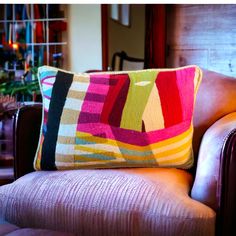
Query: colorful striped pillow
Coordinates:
[117,119]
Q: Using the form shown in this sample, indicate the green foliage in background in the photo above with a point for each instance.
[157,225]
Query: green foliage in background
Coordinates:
[21,88]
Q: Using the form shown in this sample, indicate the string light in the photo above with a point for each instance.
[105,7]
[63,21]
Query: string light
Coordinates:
[15,46]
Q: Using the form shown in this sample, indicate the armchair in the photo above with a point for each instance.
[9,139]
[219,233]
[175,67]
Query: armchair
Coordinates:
[135,201]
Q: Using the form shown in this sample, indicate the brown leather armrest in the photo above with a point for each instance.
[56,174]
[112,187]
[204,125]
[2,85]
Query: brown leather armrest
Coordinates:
[227,188]
[27,123]
[209,161]
[214,183]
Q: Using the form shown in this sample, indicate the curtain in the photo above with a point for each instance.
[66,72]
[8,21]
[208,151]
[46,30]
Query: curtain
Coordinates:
[155,36]
[104,12]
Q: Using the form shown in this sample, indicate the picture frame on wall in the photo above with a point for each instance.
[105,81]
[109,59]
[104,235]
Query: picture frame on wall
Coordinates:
[121,14]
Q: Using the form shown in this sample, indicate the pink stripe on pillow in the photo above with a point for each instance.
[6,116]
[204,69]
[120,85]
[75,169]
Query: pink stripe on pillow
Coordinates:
[186,91]
[47,83]
[131,136]
[92,107]
[47,78]
[98,89]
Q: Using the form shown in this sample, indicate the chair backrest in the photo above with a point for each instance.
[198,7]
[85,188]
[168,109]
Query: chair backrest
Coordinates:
[121,61]
[216,98]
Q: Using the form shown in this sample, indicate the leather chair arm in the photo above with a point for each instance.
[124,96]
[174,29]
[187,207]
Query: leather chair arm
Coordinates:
[27,124]
[227,188]
[211,155]
[214,183]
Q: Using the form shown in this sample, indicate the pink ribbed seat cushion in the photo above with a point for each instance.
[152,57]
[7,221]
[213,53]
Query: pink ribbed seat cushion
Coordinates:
[36,232]
[145,201]
[6,228]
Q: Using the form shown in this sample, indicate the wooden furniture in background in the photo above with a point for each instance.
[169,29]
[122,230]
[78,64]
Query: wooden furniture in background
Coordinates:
[203,35]
[121,61]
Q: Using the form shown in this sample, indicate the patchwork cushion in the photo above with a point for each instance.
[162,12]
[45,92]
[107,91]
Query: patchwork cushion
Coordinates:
[117,119]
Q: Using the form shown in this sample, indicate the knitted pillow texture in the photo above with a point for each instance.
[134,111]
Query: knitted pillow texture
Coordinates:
[117,119]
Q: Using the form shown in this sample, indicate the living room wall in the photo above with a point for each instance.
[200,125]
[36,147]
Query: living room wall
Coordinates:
[84,37]
[203,35]
[129,39]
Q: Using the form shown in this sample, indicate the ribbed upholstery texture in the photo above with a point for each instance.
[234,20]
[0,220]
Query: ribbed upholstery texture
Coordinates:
[117,119]
[36,232]
[6,227]
[143,201]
